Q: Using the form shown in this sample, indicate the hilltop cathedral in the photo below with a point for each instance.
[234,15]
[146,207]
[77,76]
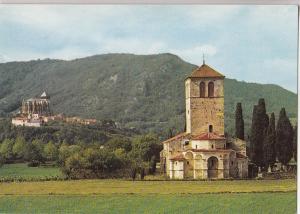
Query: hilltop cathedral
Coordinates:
[202,151]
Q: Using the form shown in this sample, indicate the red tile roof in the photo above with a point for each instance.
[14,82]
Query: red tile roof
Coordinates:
[206,71]
[210,150]
[177,137]
[208,136]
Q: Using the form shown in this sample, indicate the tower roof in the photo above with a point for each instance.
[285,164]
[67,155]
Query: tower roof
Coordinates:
[205,71]
[44,95]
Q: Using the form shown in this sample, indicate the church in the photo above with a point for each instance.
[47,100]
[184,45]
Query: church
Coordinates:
[202,151]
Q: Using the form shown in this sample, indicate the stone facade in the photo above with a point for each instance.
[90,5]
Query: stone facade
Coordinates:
[39,106]
[201,112]
[33,111]
[202,152]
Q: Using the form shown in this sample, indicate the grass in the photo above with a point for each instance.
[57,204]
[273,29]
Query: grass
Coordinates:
[22,170]
[156,203]
[88,187]
[121,196]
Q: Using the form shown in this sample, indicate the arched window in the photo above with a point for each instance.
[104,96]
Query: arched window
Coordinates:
[210,128]
[210,89]
[202,89]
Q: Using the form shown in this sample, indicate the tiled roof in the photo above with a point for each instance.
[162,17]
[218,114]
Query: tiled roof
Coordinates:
[206,71]
[210,150]
[177,137]
[178,158]
[208,136]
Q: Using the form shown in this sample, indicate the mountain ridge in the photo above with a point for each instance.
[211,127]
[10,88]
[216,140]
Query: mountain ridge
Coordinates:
[134,90]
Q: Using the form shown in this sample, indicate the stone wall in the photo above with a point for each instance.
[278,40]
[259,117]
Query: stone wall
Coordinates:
[204,111]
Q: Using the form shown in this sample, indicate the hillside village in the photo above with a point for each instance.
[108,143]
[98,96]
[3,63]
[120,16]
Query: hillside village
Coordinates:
[36,112]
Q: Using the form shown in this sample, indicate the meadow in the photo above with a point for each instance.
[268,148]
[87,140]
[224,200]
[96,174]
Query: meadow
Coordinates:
[18,170]
[125,196]
[152,203]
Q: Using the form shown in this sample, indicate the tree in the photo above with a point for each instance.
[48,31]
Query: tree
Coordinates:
[260,122]
[239,122]
[6,149]
[146,146]
[119,143]
[284,138]
[153,165]
[34,151]
[170,133]
[269,143]
[66,151]
[74,166]
[295,142]
[50,151]
[19,148]
[1,160]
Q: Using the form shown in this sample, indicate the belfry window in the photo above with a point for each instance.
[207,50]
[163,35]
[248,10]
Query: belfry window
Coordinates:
[210,128]
[202,89]
[210,89]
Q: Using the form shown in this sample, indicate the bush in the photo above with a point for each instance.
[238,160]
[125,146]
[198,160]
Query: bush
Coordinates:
[33,163]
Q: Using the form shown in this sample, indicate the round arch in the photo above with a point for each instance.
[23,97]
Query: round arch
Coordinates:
[211,89]
[212,167]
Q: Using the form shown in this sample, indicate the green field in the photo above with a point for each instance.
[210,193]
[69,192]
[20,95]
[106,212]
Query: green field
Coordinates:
[156,203]
[22,170]
[92,187]
[124,196]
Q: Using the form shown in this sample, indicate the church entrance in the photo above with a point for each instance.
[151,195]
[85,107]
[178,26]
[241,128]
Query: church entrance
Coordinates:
[212,167]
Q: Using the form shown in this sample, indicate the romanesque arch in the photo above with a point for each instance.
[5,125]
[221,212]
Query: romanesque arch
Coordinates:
[202,89]
[212,167]
[210,89]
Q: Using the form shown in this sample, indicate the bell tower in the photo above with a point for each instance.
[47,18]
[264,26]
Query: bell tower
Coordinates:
[204,101]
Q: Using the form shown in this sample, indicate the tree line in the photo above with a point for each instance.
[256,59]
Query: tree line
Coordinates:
[269,143]
[80,151]
[118,157]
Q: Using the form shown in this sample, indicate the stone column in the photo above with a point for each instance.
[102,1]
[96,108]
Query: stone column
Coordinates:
[171,170]
[220,168]
[204,169]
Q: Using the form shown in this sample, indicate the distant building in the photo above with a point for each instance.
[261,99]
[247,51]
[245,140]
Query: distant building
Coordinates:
[33,111]
[36,112]
[202,151]
[40,105]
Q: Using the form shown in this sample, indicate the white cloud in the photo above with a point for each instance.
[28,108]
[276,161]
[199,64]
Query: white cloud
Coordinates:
[237,38]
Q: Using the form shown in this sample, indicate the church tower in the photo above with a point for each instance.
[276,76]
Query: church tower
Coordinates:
[204,99]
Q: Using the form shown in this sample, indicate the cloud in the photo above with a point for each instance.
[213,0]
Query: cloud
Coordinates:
[236,39]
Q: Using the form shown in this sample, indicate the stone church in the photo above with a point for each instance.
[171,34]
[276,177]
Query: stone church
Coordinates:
[203,152]
[40,105]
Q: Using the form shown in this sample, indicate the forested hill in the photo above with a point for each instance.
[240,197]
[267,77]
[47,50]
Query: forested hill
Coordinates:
[142,91]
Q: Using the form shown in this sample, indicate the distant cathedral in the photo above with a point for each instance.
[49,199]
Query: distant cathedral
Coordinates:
[40,105]
[202,151]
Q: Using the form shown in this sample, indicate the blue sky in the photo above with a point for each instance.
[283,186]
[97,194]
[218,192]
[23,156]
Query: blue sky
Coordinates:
[250,43]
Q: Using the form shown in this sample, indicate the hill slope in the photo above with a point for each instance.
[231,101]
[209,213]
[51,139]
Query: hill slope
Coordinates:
[143,91]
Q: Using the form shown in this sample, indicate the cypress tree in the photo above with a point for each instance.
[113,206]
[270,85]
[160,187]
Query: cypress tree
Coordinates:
[239,122]
[260,122]
[284,138]
[253,136]
[269,143]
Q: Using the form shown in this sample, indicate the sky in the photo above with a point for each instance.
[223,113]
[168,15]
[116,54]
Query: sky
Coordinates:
[249,43]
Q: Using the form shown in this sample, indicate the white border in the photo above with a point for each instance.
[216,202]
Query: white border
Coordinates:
[210,2]
[182,2]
